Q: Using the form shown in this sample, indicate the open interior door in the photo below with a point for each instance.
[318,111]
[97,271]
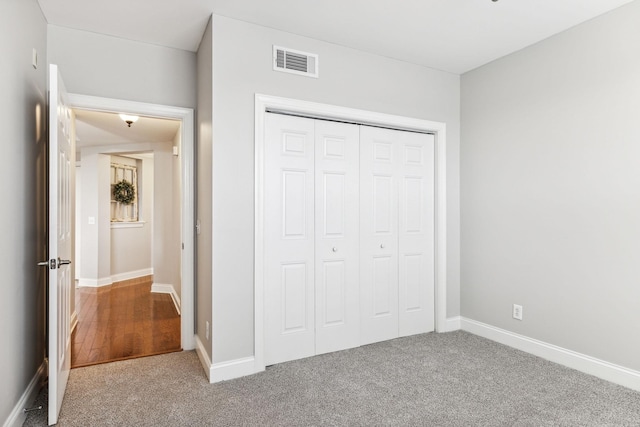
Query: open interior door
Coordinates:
[60,273]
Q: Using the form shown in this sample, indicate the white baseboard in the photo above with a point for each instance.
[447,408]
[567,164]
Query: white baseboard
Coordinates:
[161,288]
[17,415]
[74,320]
[237,368]
[578,361]
[204,357]
[590,365]
[452,324]
[94,283]
[224,371]
[106,281]
[131,275]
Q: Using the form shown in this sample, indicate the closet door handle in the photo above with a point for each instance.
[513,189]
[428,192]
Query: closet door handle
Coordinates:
[334,249]
[381,245]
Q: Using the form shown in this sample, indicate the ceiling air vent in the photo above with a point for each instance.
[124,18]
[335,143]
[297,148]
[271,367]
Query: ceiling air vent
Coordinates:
[294,61]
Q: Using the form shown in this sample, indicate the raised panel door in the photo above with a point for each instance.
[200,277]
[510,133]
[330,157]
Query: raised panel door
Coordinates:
[59,230]
[289,238]
[416,249]
[378,234]
[337,236]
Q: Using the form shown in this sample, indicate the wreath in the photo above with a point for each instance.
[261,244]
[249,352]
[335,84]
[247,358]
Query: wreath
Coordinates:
[124,192]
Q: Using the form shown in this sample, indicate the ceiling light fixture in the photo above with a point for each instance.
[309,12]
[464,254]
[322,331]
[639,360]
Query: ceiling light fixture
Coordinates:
[129,120]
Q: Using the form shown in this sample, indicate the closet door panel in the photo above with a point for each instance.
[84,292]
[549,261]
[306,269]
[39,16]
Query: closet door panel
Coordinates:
[289,239]
[416,238]
[378,234]
[337,236]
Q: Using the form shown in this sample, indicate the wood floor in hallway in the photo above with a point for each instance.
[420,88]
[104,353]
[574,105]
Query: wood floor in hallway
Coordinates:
[123,321]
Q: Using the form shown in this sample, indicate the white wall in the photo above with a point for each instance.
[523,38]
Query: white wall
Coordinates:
[77,256]
[99,65]
[551,189]
[204,117]
[176,212]
[242,67]
[22,115]
[95,238]
[166,265]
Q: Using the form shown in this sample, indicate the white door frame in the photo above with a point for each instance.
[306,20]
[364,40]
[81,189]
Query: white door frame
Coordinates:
[186,116]
[266,103]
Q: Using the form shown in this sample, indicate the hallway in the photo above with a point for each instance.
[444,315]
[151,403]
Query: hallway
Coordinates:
[123,321]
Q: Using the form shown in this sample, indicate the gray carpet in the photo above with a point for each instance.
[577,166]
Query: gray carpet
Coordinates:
[454,379]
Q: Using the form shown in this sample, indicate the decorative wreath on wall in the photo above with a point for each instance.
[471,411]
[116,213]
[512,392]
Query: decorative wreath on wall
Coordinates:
[124,192]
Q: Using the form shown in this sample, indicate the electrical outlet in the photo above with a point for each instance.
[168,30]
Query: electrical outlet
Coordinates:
[517,311]
[207,330]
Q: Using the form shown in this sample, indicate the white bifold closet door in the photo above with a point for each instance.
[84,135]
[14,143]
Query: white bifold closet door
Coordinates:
[337,236]
[396,233]
[289,239]
[312,297]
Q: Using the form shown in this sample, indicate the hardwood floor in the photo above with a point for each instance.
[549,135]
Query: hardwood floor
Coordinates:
[123,321]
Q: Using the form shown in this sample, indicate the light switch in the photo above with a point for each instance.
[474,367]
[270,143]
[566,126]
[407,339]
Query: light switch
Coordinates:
[92,220]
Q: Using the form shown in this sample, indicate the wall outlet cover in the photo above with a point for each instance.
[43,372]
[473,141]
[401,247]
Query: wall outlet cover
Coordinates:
[517,312]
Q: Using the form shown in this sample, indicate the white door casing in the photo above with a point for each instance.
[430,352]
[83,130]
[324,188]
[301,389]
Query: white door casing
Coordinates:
[289,239]
[60,245]
[336,236]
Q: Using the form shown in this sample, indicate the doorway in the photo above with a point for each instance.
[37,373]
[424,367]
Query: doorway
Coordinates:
[169,269]
[128,282]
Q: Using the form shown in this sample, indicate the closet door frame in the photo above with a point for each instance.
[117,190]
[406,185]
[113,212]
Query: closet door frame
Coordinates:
[266,103]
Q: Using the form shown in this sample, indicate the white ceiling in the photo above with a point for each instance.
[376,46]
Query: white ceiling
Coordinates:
[97,129]
[449,35]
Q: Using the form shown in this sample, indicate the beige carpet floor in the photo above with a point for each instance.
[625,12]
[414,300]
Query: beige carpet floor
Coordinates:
[454,379]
